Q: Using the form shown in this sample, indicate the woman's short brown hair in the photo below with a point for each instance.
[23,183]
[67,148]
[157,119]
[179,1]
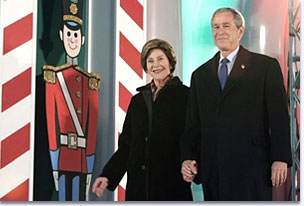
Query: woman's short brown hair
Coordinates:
[158,44]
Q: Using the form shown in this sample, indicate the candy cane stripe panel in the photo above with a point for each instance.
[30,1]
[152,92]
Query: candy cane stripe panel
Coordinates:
[17,100]
[134,9]
[21,85]
[130,38]
[18,33]
[130,55]
[15,145]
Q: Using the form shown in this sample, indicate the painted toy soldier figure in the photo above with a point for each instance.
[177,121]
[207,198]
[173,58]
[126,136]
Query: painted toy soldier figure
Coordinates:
[72,112]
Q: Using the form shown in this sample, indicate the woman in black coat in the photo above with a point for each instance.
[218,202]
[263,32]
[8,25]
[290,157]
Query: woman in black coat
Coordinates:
[148,148]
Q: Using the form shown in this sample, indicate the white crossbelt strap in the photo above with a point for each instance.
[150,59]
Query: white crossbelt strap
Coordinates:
[70,104]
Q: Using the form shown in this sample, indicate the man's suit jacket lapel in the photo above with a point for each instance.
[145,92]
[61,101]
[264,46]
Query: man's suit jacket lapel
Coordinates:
[211,77]
[240,67]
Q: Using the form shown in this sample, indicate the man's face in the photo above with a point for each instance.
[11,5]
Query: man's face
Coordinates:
[72,41]
[226,35]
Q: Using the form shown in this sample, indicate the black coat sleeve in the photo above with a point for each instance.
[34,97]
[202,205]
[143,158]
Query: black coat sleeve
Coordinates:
[116,167]
[277,113]
[190,141]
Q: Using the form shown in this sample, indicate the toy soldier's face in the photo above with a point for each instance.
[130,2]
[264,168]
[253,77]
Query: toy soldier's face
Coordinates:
[72,41]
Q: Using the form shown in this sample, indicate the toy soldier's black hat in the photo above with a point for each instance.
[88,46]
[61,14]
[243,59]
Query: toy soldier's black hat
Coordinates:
[72,13]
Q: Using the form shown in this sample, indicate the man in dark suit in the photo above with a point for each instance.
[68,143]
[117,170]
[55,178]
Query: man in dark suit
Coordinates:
[236,142]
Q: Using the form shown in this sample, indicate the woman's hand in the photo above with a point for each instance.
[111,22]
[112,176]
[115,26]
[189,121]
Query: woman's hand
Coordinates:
[100,185]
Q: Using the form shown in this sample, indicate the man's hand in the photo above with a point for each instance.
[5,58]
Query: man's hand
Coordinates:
[100,185]
[278,173]
[189,170]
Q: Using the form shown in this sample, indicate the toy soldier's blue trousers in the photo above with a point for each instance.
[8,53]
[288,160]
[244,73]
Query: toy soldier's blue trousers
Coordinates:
[72,186]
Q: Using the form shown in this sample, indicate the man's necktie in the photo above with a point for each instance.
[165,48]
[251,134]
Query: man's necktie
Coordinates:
[223,72]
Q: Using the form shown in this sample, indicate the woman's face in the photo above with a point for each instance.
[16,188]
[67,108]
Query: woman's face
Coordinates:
[158,66]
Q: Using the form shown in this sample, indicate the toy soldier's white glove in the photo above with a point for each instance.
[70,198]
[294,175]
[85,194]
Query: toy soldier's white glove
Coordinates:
[88,183]
[55,176]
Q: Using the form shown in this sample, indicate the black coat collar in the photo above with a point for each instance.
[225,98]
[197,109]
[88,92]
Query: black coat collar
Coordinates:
[174,82]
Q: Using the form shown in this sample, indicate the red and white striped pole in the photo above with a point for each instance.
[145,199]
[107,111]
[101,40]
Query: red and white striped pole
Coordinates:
[17,98]
[130,37]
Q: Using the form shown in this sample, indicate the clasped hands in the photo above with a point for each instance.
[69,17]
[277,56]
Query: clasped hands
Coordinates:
[278,172]
[189,170]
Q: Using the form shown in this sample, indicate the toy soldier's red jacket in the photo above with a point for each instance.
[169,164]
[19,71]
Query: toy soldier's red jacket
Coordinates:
[64,84]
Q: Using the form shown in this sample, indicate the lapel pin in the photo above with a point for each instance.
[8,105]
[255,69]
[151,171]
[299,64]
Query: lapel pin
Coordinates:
[243,66]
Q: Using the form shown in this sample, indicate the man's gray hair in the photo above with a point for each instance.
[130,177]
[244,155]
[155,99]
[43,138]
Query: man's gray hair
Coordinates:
[237,16]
